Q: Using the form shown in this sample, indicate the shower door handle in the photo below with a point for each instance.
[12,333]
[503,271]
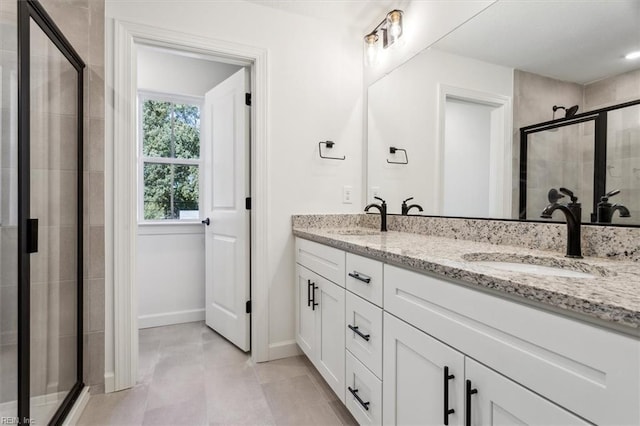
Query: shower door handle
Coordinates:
[32,235]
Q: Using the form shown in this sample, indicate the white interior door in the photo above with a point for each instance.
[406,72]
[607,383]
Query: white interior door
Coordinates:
[226,186]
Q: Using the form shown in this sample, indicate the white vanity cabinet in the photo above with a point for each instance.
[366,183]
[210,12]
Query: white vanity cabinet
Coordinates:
[428,382]
[320,311]
[571,369]
[406,348]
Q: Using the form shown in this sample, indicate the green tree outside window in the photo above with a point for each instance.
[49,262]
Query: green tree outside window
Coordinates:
[170,133]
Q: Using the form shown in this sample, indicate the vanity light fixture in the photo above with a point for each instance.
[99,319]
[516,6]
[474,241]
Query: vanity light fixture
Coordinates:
[633,55]
[391,29]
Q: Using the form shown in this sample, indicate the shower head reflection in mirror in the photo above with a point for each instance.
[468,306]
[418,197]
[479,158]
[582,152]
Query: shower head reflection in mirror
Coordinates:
[568,112]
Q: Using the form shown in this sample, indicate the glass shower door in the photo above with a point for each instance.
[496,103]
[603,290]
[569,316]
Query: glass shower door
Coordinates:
[50,219]
[54,202]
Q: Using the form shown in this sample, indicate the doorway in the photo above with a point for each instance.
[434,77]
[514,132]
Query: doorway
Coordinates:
[193,180]
[121,356]
[475,154]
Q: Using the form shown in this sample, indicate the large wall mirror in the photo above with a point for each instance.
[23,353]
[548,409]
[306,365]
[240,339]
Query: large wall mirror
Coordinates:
[445,126]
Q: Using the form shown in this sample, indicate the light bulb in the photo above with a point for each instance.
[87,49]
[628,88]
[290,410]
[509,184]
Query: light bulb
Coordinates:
[371,49]
[633,55]
[394,25]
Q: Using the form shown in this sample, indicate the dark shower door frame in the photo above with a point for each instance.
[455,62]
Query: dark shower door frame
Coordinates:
[599,146]
[32,10]
[600,151]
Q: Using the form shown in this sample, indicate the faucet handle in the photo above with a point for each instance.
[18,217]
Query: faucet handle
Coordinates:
[570,194]
[609,194]
[554,195]
[378,198]
[408,199]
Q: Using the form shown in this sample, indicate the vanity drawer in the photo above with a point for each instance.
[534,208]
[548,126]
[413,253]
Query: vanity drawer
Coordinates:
[365,342]
[368,388]
[364,277]
[326,261]
[585,369]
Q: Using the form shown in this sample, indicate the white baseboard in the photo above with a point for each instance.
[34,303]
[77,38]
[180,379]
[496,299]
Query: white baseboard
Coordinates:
[109,382]
[169,318]
[283,349]
[78,408]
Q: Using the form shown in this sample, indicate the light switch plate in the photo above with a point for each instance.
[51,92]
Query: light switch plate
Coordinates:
[375,191]
[347,194]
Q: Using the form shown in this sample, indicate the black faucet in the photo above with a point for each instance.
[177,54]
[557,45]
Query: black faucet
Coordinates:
[382,207]
[405,208]
[606,210]
[573,213]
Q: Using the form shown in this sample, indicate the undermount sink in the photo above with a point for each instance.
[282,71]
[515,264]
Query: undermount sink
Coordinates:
[356,231]
[526,268]
[544,266]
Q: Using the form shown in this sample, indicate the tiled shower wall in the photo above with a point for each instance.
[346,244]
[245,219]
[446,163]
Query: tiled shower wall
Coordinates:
[82,22]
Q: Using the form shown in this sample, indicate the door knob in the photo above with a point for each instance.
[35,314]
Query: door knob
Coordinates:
[206,221]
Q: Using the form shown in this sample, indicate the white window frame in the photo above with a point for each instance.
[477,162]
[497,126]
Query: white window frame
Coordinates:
[176,99]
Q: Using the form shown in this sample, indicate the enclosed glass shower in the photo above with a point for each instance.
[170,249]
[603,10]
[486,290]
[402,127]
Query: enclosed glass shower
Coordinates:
[40,217]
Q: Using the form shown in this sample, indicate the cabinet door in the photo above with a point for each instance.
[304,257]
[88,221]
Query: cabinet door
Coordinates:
[414,387]
[329,334]
[499,401]
[305,315]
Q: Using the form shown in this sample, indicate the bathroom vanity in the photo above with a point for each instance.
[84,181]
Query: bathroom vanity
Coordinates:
[410,328]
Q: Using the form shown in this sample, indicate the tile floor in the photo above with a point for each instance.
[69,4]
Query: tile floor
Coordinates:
[189,375]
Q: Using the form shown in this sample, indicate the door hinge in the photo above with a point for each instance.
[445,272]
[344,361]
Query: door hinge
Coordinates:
[248,307]
[247,203]
[247,99]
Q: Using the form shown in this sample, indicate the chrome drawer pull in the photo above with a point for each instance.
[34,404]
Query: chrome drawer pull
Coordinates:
[354,328]
[358,276]
[354,392]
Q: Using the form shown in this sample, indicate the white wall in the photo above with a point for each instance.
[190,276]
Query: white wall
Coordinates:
[167,72]
[170,274]
[403,111]
[315,91]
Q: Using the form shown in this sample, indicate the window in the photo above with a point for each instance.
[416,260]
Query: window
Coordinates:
[169,159]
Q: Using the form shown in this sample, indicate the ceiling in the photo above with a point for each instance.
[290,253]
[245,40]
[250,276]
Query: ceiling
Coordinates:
[358,14]
[579,41]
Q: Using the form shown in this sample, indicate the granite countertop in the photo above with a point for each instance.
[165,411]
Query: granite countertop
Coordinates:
[612,298]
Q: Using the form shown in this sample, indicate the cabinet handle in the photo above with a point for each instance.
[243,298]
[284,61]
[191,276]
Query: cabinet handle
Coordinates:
[354,328]
[358,276]
[313,300]
[447,410]
[468,408]
[354,392]
[309,284]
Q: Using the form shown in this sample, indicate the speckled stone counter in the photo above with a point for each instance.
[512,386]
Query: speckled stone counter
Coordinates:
[611,298]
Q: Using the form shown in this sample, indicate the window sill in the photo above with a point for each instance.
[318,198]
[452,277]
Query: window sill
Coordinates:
[170,227]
